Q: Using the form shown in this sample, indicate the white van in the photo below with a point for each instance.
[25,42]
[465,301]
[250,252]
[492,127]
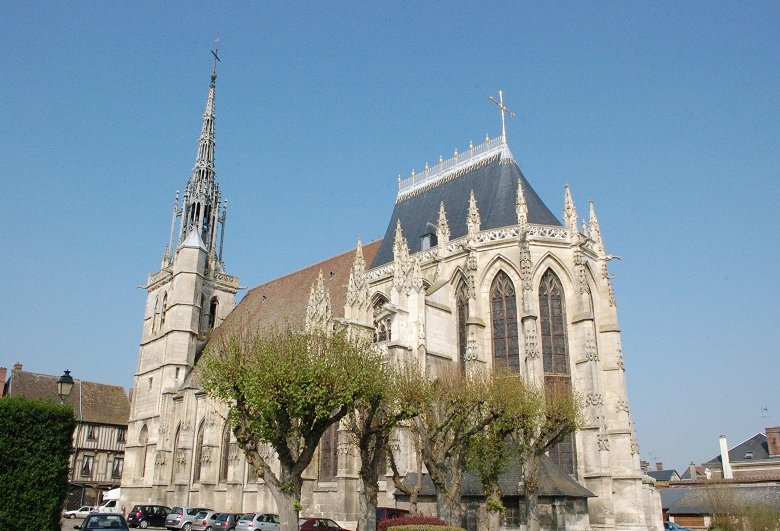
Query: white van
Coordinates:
[108,507]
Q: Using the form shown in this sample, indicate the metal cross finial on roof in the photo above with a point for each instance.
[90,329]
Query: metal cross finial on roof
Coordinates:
[500,105]
[214,52]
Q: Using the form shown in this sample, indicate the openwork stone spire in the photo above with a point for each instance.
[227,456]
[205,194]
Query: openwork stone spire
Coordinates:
[318,312]
[521,206]
[569,211]
[357,288]
[202,208]
[442,228]
[472,219]
[595,231]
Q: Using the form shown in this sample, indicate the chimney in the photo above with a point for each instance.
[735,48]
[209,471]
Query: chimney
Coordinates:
[17,367]
[724,457]
[773,440]
[692,471]
[659,466]
[644,465]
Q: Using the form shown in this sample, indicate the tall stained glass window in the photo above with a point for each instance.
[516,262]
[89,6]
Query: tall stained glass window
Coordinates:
[503,313]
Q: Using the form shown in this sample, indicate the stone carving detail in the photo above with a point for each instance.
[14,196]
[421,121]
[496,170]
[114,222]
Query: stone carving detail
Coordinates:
[525,266]
[181,457]
[634,446]
[569,211]
[345,449]
[417,277]
[205,455]
[603,441]
[472,218]
[591,350]
[233,451]
[403,267]
[521,207]
[471,349]
[471,268]
[594,399]
[621,365]
[421,342]
[159,458]
[579,267]
[318,312]
[162,429]
[622,405]
[611,292]
[531,341]
[186,424]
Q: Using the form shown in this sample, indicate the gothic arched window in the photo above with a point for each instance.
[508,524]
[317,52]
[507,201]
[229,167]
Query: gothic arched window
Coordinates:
[329,457]
[197,464]
[143,440]
[555,356]
[462,314]
[163,310]
[503,313]
[213,306]
[177,460]
[225,459]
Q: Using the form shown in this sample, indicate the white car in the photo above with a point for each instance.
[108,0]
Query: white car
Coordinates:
[81,512]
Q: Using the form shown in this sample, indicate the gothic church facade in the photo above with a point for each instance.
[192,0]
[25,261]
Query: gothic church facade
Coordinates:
[474,270]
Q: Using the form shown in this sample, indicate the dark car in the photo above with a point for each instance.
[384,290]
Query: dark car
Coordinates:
[104,521]
[227,521]
[318,524]
[144,516]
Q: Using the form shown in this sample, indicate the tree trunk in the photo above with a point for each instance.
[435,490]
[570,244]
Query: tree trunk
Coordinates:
[530,476]
[367,501]
[493,516]
[287,493]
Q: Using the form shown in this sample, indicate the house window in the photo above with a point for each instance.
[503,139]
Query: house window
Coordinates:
[225,461]
[116,469]
[503,309]
[462,311]
[329,457]
[92,433]
[121,435]
[86,466]
[555,356]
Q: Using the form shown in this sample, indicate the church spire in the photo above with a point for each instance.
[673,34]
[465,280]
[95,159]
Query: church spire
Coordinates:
[569,211]
[202,210]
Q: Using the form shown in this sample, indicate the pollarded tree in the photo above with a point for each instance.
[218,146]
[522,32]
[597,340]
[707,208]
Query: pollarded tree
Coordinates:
[377,413]
[285,388]
[453,409]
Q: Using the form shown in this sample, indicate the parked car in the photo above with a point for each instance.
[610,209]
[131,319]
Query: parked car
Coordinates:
[81,512]
[204,521]
[318,524]
[144,516]
[258,522]
[182,517]
[674,527]
[227,521]
[112,521]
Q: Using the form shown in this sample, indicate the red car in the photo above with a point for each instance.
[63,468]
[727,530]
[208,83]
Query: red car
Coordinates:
[319,524]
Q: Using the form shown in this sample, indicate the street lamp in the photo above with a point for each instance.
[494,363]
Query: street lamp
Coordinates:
[64,385]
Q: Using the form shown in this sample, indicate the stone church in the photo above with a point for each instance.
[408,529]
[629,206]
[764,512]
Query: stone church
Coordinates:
[474,270]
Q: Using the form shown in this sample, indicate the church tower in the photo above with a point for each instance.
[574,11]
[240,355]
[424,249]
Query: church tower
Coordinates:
[190,295]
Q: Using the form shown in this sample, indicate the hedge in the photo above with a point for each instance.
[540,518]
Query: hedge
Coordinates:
[35,446]
[413,522]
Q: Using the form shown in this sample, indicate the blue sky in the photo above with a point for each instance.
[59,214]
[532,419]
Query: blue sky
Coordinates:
[665,114]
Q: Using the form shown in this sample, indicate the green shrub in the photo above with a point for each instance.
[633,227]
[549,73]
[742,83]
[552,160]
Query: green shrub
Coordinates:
[414,520]
[35,445]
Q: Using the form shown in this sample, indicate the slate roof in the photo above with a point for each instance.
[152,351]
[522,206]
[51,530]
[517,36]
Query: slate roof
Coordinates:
[756,444]
[286,298]
[702,500]
[553,482]
[92,402]
[494,182]
[662,475]
[700,473]
[672,496]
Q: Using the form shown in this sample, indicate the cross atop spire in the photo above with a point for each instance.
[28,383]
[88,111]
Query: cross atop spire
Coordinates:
[500,105]
[215,53]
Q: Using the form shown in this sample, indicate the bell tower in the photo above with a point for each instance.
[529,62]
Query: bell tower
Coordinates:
[187,297]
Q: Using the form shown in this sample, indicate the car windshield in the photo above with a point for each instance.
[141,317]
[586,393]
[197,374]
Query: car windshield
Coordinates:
[245,517]
[109,521]
[201,514]
[223,517]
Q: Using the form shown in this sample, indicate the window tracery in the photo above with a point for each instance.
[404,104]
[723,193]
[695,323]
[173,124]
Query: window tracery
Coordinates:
[462,311]
[503,310]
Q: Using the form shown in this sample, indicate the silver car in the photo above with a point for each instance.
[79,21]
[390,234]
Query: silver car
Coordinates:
[258,522]
[204,521]
[182,517]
